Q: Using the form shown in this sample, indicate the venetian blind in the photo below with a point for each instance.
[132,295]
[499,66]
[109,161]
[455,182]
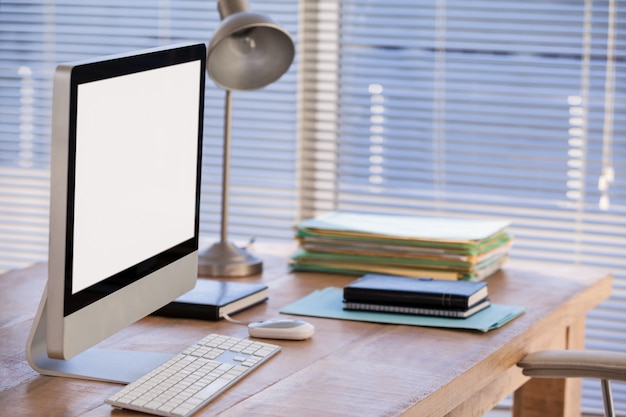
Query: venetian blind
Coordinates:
[510,109]
[36,35]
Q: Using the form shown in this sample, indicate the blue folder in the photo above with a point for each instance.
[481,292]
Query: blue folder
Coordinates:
[328,303]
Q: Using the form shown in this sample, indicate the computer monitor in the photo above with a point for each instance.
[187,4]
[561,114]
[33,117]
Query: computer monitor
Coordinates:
[124,205]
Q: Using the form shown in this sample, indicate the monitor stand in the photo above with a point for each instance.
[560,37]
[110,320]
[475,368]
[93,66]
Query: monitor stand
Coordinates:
[121,366]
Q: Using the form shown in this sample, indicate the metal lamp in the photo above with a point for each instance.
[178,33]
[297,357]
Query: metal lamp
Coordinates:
[247,51]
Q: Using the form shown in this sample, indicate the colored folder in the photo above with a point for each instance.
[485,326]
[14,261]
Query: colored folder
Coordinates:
[328,303]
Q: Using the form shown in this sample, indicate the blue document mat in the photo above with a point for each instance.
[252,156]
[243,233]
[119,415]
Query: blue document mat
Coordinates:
[328,303]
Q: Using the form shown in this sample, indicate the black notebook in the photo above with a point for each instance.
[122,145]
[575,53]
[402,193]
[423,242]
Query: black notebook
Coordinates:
[211,299]
[415,292]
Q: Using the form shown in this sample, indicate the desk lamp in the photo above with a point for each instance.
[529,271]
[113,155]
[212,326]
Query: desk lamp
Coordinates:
[247,51]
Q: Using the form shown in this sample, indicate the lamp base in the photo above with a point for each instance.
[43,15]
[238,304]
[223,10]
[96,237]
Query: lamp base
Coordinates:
[224,259]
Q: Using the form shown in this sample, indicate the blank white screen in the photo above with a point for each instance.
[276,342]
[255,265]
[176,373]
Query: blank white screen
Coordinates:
[135,174]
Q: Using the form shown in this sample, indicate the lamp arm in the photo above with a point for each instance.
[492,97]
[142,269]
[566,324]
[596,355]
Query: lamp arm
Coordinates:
[228,7]
[226,166]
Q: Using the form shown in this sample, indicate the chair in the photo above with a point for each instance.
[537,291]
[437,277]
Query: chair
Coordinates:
[603,365]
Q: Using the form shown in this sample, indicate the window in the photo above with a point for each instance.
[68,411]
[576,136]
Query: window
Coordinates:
[487,109]
[484,109]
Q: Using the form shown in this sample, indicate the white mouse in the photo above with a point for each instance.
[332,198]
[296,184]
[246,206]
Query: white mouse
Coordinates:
[281,329]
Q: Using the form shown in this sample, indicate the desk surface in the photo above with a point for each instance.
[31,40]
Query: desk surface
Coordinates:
[347,368]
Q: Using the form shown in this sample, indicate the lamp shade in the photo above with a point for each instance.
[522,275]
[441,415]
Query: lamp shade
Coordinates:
[248,51]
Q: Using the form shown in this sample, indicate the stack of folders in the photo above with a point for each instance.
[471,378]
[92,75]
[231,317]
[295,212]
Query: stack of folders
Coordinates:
[416,246]
[420,296]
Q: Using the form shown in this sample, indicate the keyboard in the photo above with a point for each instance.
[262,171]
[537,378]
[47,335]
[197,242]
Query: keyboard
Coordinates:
[191,379]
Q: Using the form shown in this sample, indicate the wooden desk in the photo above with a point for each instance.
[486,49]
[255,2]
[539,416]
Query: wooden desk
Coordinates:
[347,368]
